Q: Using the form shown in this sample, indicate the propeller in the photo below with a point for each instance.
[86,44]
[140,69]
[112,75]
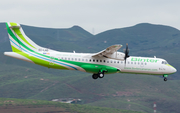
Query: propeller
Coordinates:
[126,52]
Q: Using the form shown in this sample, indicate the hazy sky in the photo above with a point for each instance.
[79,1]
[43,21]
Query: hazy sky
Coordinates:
[100,15]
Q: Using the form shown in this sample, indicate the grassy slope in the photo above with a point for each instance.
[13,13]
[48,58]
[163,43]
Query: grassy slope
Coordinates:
[121,91]
[27,105]
[20,79]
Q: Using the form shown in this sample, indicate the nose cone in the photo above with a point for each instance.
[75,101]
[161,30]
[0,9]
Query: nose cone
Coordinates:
[173,70]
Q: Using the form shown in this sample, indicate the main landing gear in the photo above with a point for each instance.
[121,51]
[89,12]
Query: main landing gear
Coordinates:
[165,77]
[99,75]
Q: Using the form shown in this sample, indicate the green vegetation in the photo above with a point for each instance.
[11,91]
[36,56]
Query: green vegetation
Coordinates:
[23,105]
[19,79]
[119,91]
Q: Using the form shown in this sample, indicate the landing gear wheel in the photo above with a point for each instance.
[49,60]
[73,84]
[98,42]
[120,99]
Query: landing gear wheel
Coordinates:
[101,75]
[165,79]
[95,76]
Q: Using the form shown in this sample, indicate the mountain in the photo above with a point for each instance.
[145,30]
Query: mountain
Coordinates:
[120,91]
[139,37]
[56,39]
[19,79]
[48,37]
[144,40]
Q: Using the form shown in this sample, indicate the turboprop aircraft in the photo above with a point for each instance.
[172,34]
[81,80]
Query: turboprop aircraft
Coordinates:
[104,62]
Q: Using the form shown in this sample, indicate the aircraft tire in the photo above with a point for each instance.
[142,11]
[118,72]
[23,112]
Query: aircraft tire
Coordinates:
[95,76]
[101,75]
[165,79]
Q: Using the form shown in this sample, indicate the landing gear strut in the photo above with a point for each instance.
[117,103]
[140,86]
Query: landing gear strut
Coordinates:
[165,77]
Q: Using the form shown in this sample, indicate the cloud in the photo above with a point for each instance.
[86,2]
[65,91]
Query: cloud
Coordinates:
[99,15]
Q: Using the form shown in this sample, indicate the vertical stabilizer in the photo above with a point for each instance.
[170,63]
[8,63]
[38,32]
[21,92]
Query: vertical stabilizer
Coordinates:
[18,40]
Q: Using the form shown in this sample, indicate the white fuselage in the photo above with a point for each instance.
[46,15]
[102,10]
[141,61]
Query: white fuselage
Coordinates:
[140,65]
[106,61]
[136,65]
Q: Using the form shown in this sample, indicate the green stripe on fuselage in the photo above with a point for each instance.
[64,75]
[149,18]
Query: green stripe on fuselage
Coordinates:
[33,58]
[92,68]
[40,61]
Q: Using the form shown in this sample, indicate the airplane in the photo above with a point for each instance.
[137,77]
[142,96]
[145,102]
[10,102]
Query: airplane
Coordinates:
[107,61]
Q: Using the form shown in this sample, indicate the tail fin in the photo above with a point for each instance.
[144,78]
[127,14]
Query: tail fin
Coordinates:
[18,40]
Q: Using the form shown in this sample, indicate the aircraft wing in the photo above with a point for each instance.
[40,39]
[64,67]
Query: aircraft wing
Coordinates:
[108,51]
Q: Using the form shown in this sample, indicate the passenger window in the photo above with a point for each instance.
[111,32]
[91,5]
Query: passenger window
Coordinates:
[100,60]
[86,60]
[111,61]
[128,62]
[79,59]
[131,62]
[89,60]
[121,62]
[145,63]
[141,63]
[65,58]
[114,61]
[104,60]
[117,61]
[138,63]
[93,60]
[96,60]
[107,61]
[62,58]
[82,59]
[68,58]
[72,59]
[75,59]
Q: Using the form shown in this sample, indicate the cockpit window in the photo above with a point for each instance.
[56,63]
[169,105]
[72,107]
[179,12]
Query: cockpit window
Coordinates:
[164,62]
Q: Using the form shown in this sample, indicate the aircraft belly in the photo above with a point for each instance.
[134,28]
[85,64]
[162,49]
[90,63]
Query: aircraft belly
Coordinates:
[140,70]
[91,68]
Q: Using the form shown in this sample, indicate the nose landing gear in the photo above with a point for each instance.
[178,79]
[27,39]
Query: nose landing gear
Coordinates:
[165,77]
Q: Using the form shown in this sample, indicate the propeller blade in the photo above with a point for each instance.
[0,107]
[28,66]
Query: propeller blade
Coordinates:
[126,52]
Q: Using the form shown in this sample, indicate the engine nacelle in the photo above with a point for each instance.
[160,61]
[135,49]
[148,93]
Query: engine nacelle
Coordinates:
[116,56]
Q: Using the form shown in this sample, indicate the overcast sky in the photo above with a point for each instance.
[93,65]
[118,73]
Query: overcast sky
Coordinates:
[100,15]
